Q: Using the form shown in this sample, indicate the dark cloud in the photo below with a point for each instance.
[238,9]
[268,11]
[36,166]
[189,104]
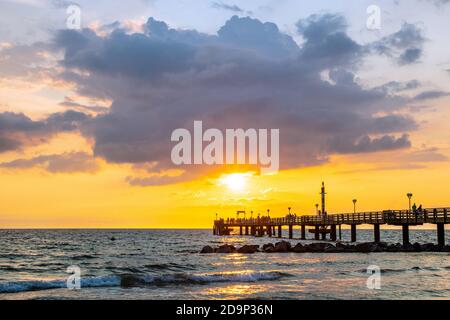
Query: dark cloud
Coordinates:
[393,87]
[427,95]
[405,45]
[249,75]
[410,55]
[70,103]
[224,6]
[57,163]
[18,130]
[8,144]
[262,38]
[10,121]
[367,144]
[327,43]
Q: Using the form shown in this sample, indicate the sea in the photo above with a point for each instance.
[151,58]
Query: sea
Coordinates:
[156,264]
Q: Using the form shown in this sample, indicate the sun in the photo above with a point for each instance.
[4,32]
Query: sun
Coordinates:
[236,182]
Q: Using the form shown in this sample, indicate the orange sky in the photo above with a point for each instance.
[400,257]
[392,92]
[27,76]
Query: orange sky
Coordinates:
[35,198]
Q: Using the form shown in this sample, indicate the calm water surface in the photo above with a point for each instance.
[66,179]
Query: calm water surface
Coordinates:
[165,264]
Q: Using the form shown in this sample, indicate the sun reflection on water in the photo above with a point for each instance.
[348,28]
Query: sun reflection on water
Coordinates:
[236,291]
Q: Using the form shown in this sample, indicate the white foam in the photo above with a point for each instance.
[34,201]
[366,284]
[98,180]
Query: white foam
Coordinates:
[115,281]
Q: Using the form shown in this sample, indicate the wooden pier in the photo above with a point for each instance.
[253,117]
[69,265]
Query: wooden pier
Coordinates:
[331,224]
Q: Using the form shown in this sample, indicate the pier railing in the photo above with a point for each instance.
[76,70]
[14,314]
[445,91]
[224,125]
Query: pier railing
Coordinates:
[392,217]
[327,224]
[437,215]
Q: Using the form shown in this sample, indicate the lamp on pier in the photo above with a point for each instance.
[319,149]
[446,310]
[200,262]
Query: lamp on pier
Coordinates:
[317,208]
[409,195]
[354,205]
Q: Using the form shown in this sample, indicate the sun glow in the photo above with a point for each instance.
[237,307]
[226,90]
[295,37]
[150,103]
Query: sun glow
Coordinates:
[236,182]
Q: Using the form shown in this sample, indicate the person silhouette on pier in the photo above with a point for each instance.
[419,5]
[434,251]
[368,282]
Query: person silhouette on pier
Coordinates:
[414,208]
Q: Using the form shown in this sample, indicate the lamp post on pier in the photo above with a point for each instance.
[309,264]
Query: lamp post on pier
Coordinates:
[409,195]
[317,208]
[354,205]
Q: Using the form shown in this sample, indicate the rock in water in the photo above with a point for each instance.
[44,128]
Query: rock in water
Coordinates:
[207,249]
[408,247]
[226,248]
[319,247]
[282,246]
[248,249]
[331,249]
[417,247]
[366,247]
[299,248]
[268,247]
[429,247]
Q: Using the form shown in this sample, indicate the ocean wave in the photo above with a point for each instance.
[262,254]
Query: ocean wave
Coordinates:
[388,270]
[131,280]
[83,257]
[183,278]
[36,285]
[169,266]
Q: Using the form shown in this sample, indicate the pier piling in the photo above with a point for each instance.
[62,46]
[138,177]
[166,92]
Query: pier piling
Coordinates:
[353,232]
[441,234]
[405,232]
[303,232]
[376,232]
[291,233]
[279,231]
[333,233]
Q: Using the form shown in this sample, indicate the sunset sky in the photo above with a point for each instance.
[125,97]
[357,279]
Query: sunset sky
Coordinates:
[86,115]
